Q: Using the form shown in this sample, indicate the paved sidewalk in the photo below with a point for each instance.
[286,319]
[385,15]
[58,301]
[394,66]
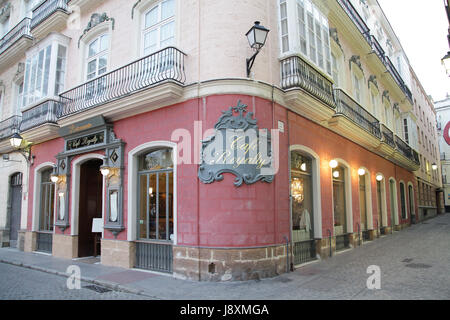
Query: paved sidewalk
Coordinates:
[415,264]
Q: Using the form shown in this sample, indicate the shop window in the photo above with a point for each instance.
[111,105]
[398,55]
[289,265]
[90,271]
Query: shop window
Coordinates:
[155,195]
[302,197]
[47,199]
[339,201]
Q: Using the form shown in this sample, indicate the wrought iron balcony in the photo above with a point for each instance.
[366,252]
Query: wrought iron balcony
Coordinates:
[377,48]
[356,18]
[46,9]
[41,114]
[22,29]
[405,149]
[388,136]
[295,72]
[352,110]
[166,64]
[9,126]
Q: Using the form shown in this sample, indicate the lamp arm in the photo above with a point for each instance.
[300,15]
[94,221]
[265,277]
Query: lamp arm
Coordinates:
[251,61]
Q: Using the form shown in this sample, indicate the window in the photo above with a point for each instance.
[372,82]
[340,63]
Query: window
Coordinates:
[159,27]
[357,88]
[97,61]
[302,197]
[46,207]
[37,74]
[373,100]
[405,130]
[60,69]
[285,29]
[313,39]
[155,195]
[403,200]
[335,70]
[339,203]
[387,114]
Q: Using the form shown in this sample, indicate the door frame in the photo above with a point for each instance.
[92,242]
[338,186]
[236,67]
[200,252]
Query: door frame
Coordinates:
[75,201]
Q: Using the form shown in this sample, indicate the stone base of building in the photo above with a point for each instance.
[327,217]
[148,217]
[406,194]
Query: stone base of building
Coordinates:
[117,253]
[323,247]
[21,239]
[4,238]
[65,246]
[30,243]
[210,264]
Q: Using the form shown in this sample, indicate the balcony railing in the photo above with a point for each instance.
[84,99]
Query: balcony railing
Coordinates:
[22,29]
[352,110]
[9,126]
[166,64]
[388,136]
[46,9]
[377,48]
[405,149]
[356,18]
[39,115]
[295,72]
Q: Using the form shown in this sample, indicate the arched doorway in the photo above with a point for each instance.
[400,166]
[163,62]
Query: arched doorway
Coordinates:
[412,209]
[15,207]
[302,208]
[89,207]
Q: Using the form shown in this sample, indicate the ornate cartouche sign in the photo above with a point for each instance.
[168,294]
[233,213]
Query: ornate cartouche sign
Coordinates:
[237,147]
[85,141]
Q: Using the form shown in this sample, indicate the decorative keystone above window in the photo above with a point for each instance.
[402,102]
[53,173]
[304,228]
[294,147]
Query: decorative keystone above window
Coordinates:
[386,95]
[373,79]
[335,36]
[356,60]
[396,107]
[5,12]
[96,19]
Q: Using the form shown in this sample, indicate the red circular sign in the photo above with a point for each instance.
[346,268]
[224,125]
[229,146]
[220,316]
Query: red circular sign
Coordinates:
[446,135]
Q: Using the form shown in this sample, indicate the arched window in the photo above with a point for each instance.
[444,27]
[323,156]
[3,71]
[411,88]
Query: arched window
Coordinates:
[47,201]
[155,195]
[158,29]
[339,201]
[411,202]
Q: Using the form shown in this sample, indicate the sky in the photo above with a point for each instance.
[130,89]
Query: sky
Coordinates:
[422,27]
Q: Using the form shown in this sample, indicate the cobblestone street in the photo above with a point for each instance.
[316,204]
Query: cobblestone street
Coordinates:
[414,263]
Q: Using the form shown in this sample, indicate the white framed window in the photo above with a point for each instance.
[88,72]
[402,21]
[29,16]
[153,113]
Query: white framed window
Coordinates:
[374,103]
[97,56]
[335,70]
[44,71]
[304,29]
[158,30]
[4,26]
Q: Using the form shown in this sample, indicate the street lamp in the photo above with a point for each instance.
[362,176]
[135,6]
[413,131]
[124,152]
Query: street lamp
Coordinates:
[257,37]
[434,166]
[446,63]
[16,142]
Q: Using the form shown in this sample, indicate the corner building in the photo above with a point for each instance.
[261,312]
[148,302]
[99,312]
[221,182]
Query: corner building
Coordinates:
[111,93]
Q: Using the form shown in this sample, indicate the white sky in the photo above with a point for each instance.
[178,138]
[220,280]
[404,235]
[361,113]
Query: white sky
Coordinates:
[422,27]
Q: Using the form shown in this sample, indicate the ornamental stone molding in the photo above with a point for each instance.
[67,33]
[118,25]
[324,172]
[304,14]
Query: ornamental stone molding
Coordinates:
[5,12]
[96,19]
[373,79]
